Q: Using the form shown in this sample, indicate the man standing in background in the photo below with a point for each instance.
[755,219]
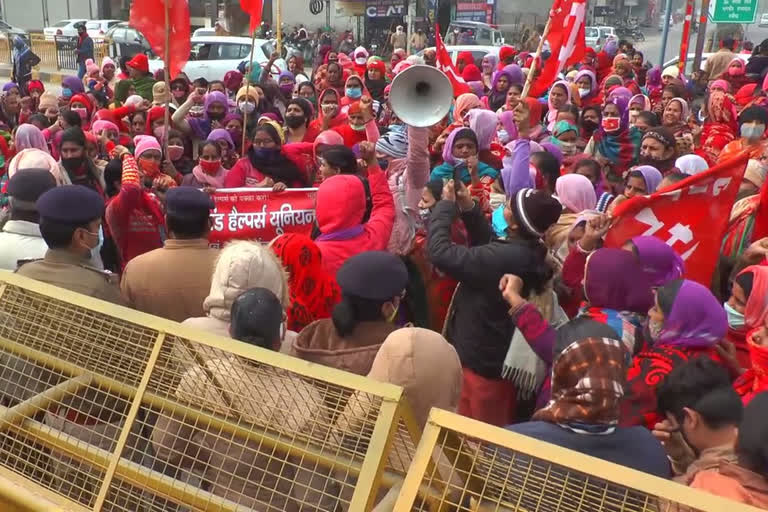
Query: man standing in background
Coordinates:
[84,49]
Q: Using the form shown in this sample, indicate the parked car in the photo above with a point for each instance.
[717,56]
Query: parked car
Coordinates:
[124,40]
[9,32]
[62,28]
[607,33]
[689,61]
[592,37]
[212,56]
[478,52]
[204,31]
[764,19]
[97,29]
[483,33]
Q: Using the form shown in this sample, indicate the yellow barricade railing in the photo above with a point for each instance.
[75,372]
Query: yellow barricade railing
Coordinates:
[106,408]
[48,52]
[482,468]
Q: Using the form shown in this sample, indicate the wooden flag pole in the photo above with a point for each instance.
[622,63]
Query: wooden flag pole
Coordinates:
[279,28]
[536,57]
[247,88]
[167,58]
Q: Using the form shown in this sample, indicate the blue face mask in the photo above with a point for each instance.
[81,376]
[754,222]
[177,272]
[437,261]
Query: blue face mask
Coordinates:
[66,92]
[735,319]
[503,136]
[353,93]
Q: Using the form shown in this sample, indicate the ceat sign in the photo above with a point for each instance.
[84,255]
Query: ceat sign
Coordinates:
[383,11]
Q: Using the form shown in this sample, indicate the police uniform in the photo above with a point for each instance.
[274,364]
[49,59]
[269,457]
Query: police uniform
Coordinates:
[72,204]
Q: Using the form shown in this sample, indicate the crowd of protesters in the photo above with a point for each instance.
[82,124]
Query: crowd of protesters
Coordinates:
[486,227]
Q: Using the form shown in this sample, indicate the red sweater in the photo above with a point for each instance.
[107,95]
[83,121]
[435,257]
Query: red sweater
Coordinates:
[134,218]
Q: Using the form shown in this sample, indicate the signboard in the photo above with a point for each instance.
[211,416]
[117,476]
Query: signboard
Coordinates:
[733,11]
[474,11]
[349,8]
[260,214]
[385,9]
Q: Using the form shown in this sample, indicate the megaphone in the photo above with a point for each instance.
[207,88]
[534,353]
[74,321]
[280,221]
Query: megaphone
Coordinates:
[421,95]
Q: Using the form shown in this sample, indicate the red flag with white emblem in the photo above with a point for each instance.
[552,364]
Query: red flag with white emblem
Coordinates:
[690,216]
[566,42]
[148,17]
[445,64]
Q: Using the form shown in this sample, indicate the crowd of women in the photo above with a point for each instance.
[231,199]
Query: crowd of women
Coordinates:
[486,227]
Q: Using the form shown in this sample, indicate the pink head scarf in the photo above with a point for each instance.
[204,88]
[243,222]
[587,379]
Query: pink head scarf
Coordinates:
[576,192]
[29,136]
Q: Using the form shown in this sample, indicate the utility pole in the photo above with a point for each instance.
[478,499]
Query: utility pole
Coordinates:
[702,35]
[665,34]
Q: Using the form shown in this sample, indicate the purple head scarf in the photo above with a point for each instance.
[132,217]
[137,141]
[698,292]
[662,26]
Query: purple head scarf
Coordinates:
[549,147]
[651,176]
[73,83]
[215,97]
[620,92]
[489,63]
[477,87]
[286,74]
[611,48]
[513,73]
[221,134]
[611,282]
[622,103]
[507,119]
[483,123]
[593,89]
[10,85]
[448,148]
[659,262]
[653,77]
[696,319]
[29,136]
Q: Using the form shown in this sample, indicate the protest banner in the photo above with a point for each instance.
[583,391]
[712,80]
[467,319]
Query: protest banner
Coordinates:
[690,216]
[260,214]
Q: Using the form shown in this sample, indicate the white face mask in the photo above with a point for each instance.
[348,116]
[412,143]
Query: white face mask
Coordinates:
[568,148]
[246,107]
[584,92]
[503,136]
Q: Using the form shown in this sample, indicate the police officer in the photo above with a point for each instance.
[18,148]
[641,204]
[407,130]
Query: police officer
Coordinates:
[20,237]
[70,218]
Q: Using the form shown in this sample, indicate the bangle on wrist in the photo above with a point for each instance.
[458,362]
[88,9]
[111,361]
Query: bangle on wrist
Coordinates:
[583,250]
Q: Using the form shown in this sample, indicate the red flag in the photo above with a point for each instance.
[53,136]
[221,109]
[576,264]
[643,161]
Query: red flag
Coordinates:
[147,16]
[254,8]
[566,42]
[445,64]
[690,216]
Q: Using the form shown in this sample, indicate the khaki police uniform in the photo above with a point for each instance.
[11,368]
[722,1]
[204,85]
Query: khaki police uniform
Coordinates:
[61,267]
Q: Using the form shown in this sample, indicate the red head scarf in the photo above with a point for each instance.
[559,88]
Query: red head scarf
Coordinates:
[313,292]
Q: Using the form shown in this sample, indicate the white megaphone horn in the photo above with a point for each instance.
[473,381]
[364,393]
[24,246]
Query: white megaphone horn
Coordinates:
[421,95]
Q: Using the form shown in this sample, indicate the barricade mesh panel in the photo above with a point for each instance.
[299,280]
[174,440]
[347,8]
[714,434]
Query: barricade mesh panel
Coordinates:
[116,410]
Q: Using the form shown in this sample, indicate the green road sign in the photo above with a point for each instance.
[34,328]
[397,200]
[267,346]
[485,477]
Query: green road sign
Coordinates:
[733,11]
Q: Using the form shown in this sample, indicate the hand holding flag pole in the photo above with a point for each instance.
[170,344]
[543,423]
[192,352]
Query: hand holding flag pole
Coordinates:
[536,59]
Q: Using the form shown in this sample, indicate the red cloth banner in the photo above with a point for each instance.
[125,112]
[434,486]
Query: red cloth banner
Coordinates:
[254,8]
[445,64]
[691,217]
[148,17]
[259,214]
[566,42]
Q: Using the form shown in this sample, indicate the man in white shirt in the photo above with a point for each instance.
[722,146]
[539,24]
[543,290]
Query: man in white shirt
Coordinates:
[20,237]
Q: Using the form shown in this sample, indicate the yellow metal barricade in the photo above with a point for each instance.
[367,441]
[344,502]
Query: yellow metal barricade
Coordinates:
[106,408]
[5,50]
[483,468]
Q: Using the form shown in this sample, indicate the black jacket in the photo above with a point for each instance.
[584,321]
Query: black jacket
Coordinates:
[479,326]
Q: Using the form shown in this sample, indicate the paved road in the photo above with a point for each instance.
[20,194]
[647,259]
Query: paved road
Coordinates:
[651,47]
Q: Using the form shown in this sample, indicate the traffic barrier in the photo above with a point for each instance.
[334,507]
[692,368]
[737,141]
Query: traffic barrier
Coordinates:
[483,468]
[106,408]
[58,53]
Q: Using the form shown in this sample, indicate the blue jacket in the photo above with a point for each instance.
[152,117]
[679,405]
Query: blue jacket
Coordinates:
[85,49]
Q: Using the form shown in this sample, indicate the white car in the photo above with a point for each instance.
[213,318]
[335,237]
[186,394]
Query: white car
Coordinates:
[764,19]
[98,28]
[592,37]
[212,56]
[607,33]
[62,28]
[689,61]
[204,31]
[478,52]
